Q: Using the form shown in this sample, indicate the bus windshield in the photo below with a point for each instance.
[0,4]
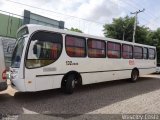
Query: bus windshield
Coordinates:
[17,53]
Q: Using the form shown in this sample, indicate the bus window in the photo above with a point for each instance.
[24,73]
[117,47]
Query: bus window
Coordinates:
[138,52]
[113,50]
[127,51]
[151,53]
[44,49]
[75,46]
[145,53]
[96,48]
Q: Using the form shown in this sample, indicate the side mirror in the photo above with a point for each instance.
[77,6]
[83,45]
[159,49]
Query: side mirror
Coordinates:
[35,49]
[18,58]
[8,49]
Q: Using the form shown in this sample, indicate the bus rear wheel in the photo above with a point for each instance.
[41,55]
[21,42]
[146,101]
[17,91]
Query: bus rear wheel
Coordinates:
[70,84]
[134,75]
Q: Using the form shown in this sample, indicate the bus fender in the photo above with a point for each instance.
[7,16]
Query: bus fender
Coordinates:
[77,74]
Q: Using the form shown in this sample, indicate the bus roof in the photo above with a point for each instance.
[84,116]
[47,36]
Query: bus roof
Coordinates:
[33,27]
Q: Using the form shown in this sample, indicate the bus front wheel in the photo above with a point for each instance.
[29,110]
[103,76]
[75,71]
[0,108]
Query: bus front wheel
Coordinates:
[134,75]
[70,84]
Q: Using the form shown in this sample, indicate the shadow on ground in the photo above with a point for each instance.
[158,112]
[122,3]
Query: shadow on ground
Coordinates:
[85,99]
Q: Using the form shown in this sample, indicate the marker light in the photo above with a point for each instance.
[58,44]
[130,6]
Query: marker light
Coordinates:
[4,75]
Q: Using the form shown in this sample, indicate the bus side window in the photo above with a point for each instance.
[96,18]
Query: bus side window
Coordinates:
[96,48]
[138,52]
[145,53]
[113,50]
[127,51]
[75,46]
[151,53]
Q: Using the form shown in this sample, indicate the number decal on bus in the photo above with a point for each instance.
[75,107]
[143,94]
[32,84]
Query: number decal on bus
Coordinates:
[71,63]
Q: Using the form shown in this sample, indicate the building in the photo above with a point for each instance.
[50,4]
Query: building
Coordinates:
[31,18]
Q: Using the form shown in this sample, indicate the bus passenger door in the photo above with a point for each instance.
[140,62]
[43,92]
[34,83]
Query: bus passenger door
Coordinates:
[44,49]
[35,82]
[34,67]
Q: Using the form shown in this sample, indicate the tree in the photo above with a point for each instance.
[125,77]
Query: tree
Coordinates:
[122,28]
[154,39]
[75,30]
[142,34]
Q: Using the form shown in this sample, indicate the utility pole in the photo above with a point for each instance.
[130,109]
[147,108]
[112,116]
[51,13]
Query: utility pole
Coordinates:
[124,32]
[123,35]
[135,22]
[124,27]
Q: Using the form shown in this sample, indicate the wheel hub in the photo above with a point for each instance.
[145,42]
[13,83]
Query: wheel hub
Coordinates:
[73,83]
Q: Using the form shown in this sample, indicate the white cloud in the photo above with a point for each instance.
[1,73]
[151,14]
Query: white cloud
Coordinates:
[2,2]
[100,11]
[93,10]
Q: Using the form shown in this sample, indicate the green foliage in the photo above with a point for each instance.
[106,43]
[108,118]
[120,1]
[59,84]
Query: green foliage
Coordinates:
[76,30]
[119,27]
[141,36]
[155,40]
[124,27]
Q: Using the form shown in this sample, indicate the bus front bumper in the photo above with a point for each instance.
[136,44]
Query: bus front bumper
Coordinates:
[18,84]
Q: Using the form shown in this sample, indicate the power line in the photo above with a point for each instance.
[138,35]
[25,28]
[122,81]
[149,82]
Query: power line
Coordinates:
[69,16]
[153,16]
[66,14]
[155,19]
[136,4]
[21,16]
[54,12]
[126,2]
[24,17]
[130,4]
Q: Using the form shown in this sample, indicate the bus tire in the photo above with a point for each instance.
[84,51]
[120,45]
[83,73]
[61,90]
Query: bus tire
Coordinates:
[70,84]
[3,86]
[134,75]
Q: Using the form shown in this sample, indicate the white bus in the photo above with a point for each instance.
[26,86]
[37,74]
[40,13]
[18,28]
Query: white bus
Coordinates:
[48,58]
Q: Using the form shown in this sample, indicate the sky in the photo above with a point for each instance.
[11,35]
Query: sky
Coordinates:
[88,15]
